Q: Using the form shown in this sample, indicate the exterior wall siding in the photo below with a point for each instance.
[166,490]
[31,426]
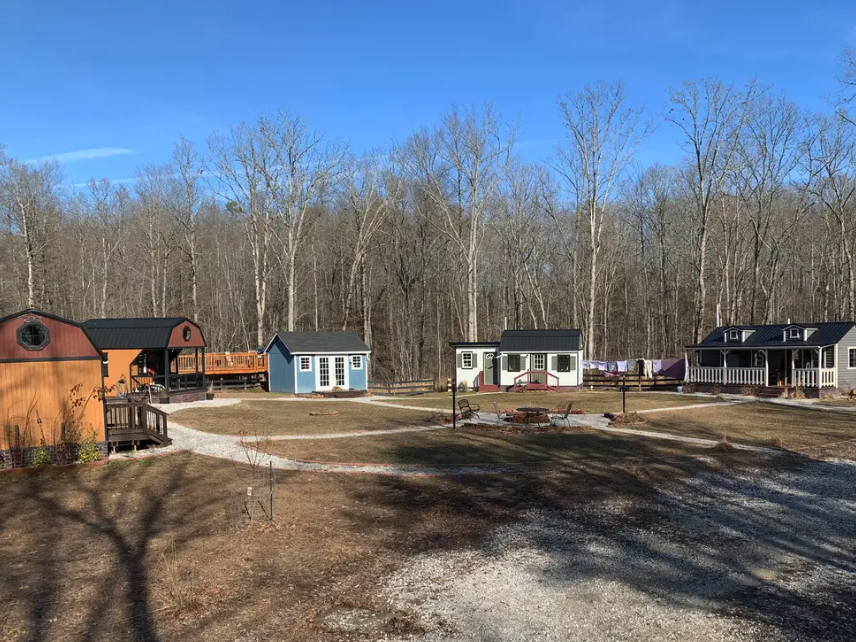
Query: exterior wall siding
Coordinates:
[119,365]
[46,391]
[281,367]
[66,340]
[571,379]
[306,380]
[846,375]
[470,376]
[358,379]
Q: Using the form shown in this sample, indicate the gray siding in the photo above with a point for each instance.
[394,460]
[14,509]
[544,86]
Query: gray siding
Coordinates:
[846,377]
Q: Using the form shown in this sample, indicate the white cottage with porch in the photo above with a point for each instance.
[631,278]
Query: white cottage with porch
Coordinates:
[812,356]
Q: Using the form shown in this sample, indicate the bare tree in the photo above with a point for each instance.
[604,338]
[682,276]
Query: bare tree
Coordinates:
[710,115]
[303,167]
[602,132]
[30,200]
[462,165]
[187,167]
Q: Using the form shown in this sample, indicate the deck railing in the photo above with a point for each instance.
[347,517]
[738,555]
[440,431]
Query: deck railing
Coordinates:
[225,362]
[536,376]
[158,383]
[727,376]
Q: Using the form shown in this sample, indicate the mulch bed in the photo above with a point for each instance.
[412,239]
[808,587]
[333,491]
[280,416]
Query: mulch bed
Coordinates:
[521,429]
[629,419]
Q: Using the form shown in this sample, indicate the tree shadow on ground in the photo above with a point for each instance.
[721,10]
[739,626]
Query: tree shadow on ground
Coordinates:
[84,532]
[766,539]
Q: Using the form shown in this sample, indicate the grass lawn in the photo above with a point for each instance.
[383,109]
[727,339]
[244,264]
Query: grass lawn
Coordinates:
[457,447]
[293,418]
[588,401]
[144,551]
[761,424]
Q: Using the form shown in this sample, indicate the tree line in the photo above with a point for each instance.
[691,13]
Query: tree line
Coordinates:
[451,235]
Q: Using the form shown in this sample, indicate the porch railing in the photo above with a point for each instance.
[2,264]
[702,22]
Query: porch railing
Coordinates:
[727,376]
[814,378]
[536,376]
[158,383]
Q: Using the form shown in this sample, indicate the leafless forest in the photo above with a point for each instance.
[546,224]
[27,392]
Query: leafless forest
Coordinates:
[449,234]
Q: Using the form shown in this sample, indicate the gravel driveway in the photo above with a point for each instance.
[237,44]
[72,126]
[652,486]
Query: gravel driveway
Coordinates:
[766,555]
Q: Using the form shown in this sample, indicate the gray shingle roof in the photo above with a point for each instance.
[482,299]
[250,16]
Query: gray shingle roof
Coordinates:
[767,336]
[319,342]
[541,341]
[131,334]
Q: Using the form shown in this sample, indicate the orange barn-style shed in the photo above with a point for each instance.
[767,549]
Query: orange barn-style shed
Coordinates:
[143,356]
[50,387]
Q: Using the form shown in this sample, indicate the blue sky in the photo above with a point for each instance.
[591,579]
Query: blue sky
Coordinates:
[112,85]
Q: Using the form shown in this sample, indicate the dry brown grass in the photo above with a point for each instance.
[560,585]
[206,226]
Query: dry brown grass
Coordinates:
[597,401]
[471,447]
[82,550]
[295,417]
[760,424]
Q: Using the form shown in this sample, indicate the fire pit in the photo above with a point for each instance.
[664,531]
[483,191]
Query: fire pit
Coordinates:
[530,415]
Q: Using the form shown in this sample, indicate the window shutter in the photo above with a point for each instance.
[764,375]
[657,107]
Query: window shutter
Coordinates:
[460,360]
[475,360]
[503,363]
[573,363]
[523,367]
[554,363]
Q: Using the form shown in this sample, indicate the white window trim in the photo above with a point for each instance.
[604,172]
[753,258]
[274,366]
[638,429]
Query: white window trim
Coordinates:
[308,362]
[734,335]
[792,336]
[464,356]
[542,357]
[849,352]
[356,356]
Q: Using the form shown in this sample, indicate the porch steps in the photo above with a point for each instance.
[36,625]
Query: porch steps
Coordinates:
[772,392]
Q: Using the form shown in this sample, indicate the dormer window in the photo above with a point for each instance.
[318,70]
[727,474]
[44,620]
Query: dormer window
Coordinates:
[734,335]
[795,333]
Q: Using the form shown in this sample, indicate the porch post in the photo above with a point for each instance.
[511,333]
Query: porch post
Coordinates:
[204,383]
[723,373]
[793,367]
[167,371]
[766,368]
[686,366]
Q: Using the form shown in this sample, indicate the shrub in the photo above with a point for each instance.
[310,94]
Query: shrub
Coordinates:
[41,457]
[750,391]
[798,393]
[689,387]
[89,450]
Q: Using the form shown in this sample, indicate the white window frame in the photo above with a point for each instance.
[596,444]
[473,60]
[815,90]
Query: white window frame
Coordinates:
[539,357]
[307,361]
[356,362]
[850,352]
[734,335]
[795,333]
[464,356]
[340,381]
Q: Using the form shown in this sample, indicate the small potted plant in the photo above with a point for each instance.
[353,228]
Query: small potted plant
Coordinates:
[210,394]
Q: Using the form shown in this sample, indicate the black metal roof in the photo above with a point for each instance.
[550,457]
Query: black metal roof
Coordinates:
[766,336]
[131,334]
[474,344]
[541,340]
[321,342]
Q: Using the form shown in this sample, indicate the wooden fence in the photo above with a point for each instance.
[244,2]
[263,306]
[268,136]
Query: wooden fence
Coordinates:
[633,381]
[417,386]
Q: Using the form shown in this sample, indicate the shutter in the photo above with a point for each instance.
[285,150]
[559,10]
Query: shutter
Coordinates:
[476,360]
[523,358]
[459,360]
[573,360]
[554,363]
[503,363]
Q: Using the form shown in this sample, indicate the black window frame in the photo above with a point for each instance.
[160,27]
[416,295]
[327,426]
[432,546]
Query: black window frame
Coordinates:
[851,358]
[516,368]
[31,347]
[559,367]
[186,333]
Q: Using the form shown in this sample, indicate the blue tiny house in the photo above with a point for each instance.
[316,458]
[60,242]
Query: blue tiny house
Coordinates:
[307,362]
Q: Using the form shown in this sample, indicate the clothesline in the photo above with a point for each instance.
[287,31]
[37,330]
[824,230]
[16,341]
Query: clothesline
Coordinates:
[650,366]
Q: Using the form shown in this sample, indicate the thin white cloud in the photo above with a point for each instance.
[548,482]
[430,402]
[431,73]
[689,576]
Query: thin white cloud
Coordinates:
[83,155]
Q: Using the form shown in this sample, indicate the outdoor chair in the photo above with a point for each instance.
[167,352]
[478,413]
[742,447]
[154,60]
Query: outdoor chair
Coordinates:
[564,416]
[498,412]
[468,411]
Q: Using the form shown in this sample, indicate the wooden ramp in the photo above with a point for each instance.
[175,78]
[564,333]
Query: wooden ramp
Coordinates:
[131,421]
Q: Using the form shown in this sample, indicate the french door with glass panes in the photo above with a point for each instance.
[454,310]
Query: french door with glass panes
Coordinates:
[332,373]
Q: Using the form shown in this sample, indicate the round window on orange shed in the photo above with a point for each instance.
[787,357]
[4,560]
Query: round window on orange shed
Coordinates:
[33,336]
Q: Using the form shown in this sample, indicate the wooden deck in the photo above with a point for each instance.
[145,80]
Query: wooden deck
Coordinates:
[226,363]
[135,422]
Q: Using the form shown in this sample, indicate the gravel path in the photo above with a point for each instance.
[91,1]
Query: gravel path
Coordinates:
[765,555]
